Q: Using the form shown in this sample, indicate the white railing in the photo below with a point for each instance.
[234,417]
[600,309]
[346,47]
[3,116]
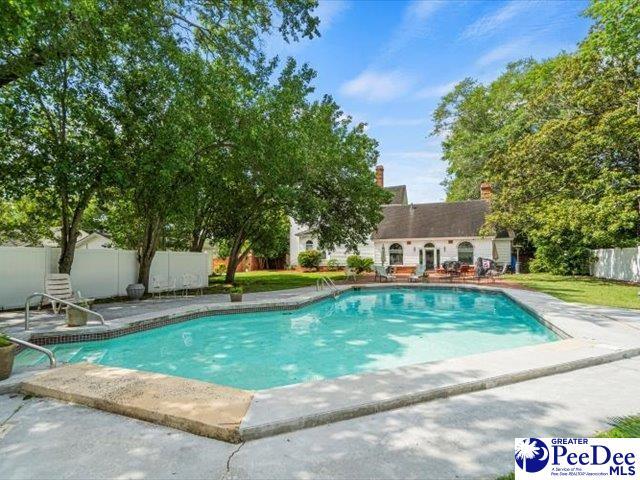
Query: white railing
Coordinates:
[323,282]
[46,351]
[27,306]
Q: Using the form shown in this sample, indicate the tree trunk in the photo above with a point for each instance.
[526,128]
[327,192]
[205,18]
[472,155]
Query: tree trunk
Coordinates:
[198,237]
[148,250]
[235,257]
[69,238]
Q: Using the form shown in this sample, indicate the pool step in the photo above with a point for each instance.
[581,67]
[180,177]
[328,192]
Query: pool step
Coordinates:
[197,407]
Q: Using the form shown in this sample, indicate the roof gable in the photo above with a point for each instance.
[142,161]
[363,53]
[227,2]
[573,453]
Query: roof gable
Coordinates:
[399,194]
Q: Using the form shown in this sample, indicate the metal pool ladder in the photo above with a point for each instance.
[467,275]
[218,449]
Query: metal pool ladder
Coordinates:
[326,282]
[27,306]
[46,351]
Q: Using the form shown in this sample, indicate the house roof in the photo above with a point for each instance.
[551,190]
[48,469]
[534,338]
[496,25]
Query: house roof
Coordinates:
[399,194]
[433,220]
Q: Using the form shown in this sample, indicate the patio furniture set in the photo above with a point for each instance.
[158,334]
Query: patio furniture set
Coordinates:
[449,271]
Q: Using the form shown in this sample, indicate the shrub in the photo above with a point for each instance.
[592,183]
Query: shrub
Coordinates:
[221,269]
[332,265]
[310,259]
[236,290]
[4,340]
[359,264]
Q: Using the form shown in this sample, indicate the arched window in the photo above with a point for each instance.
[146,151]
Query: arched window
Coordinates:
[395,254]
[465,253]
[429,245]
[308,245]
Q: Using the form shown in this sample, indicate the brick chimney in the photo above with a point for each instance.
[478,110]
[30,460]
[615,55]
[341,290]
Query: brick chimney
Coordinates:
[380,175]
[486,191]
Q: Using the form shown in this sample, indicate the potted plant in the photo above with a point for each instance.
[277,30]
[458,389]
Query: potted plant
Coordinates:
[135,291]
[236,294]
[7,352]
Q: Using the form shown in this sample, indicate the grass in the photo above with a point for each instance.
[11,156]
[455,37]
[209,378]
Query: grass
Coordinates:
[266,281]
[622,427]
[588,290]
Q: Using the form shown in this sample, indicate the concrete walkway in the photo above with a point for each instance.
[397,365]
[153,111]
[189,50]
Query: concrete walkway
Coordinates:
[469,436]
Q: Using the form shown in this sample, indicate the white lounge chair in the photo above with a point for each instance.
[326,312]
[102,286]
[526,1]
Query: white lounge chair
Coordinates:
[419,274]
[350,274]
[59,285]
[381,273]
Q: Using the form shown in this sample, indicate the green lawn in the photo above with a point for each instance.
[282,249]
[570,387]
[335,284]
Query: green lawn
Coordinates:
[265,281]
[582,289]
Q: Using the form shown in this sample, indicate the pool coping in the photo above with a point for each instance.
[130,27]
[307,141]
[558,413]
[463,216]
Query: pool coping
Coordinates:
[587,339]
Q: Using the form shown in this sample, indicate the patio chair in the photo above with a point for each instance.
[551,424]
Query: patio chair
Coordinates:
[59,285]
[483,269]
[500,273]
[350,274]
[159,286]
[419,274]
[191,281]
[382,274]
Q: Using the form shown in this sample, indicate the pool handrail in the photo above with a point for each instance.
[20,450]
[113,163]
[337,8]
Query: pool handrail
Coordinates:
[27,306]
[52,358]
[322,281]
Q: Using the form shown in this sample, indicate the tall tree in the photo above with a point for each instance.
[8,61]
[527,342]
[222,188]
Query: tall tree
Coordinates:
[292,157]
[57,63]
[560,141]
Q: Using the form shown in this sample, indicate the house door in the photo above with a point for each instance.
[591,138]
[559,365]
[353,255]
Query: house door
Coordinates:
[429,258]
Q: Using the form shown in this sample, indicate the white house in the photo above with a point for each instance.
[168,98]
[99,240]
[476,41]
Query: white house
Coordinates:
[86,240]
[420,233]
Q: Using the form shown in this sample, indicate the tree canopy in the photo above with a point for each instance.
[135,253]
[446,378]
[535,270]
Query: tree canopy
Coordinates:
[163,123]
[560,141]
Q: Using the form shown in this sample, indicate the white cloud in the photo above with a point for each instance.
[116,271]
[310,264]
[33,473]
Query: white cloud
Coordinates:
[435,91]
[377,86]
[506,51]
[414,24]
[329,11]
[488,24]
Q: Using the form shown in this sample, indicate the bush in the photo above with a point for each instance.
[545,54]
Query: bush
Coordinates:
[310,259]
[236,290]
[567,259]
[221,269]
[4,341]
[359,264]
[332,265]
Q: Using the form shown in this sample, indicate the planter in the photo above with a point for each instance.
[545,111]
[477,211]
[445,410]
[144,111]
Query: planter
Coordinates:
[236,297]
[6,361]
[77,318]
[135,291]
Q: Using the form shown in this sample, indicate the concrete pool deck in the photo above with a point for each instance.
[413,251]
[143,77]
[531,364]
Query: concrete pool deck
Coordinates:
[592,338]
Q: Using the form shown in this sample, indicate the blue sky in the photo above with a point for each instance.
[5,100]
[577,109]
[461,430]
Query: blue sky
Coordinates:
[387,63]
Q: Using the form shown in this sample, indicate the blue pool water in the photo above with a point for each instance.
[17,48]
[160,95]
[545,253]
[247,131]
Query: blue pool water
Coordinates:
[359,331]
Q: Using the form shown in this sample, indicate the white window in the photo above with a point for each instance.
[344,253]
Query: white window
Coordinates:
[465,253]
[395,254]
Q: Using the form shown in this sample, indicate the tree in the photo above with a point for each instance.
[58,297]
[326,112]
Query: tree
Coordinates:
[58,61]
[36,33]
[292,157]
[559,140]
[58,141]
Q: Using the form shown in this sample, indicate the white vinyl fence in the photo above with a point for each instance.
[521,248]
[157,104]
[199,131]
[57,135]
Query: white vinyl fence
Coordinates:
[617,264]
[97,273]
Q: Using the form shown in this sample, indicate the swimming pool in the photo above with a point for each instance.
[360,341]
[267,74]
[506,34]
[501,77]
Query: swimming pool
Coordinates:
[360,331]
